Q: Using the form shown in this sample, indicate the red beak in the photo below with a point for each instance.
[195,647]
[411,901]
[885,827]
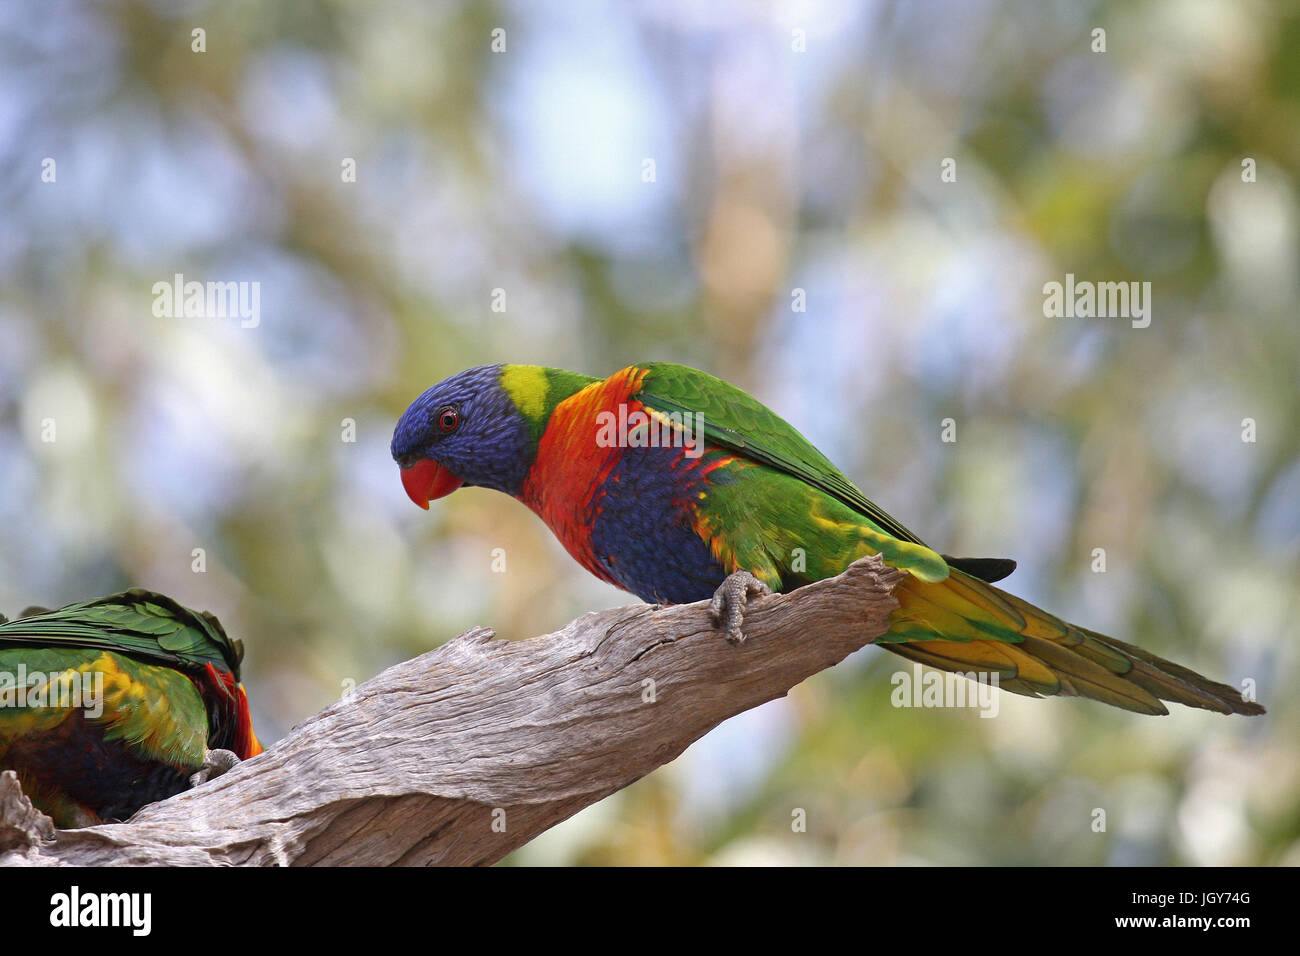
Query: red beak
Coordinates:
[427,480]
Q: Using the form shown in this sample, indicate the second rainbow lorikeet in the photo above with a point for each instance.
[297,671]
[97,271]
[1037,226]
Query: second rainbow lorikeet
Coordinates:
[111,704]
[679,487]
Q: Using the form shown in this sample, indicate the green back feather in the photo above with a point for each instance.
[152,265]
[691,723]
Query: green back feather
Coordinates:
[735,420]
[141,624]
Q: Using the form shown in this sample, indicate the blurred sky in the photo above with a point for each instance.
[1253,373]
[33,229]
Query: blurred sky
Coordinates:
[794,146]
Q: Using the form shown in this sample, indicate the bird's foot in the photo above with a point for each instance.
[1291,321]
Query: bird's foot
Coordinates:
[727,609]
[215,763]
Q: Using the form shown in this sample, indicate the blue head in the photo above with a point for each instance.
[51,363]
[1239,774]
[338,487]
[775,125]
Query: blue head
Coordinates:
[466,430]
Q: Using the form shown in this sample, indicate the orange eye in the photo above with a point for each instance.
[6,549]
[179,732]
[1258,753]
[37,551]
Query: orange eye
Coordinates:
[448,419]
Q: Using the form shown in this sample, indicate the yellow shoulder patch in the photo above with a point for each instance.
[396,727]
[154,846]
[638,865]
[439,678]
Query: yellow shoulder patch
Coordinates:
[526,385]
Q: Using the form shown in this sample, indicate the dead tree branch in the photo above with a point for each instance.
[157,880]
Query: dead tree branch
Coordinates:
[463,754]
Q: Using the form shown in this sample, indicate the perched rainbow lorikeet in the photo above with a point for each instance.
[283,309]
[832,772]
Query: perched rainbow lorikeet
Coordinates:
[115,703]
[677,486]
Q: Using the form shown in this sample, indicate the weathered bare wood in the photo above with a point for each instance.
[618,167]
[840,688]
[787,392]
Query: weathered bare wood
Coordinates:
[463,754]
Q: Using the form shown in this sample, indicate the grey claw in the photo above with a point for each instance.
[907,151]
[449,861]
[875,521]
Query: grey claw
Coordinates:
[727,609]
[215,763]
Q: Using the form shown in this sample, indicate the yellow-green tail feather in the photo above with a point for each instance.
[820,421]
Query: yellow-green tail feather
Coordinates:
[964,625]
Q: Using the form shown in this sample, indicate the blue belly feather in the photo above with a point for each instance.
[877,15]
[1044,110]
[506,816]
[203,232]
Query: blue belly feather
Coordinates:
[643,531]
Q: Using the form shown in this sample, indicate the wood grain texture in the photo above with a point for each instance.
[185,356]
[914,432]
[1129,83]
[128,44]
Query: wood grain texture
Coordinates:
[463,754]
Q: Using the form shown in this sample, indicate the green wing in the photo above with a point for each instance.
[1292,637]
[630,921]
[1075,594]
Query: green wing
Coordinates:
[140,646]
[822,496]
[144,625]
[154,709]
[735,420]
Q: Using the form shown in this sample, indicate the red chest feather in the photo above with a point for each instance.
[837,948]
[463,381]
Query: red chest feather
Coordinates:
[571,467]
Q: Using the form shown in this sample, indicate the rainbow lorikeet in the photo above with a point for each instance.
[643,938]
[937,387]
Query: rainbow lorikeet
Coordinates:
[677,486]
[115,703]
